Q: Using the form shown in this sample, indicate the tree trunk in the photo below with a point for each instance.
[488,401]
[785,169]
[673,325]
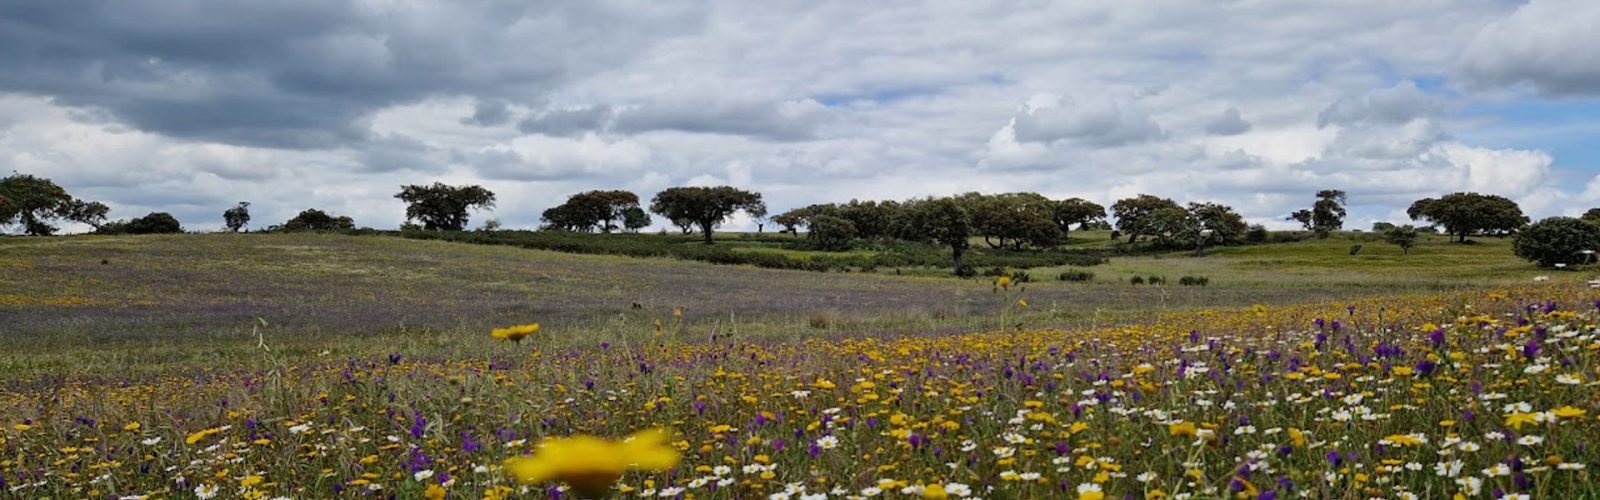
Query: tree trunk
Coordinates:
[1131,237]
[705,228]
[991,243]
[957,252]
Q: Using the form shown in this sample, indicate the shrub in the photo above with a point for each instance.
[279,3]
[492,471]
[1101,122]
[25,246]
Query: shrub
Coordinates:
[1021,276]
[1156,280]
[1557,240]
[1194,281]
[154,223]
[1355,249]
[1136,280]
[1256,234]
[1076,275]
[832,233]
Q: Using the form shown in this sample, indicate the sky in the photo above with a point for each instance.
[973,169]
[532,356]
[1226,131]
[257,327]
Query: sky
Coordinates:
[188,106]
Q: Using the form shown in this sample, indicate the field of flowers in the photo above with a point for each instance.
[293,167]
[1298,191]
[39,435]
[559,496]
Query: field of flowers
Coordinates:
[1467,395]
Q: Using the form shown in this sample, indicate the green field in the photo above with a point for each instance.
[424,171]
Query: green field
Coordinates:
[85,305]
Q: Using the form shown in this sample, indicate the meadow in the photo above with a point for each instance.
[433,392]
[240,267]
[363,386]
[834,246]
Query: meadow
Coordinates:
[306,366]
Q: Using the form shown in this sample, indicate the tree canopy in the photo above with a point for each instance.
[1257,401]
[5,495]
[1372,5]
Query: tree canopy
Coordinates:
[1134,215]
[706,207]
[1325,216]
[312,219]
[235,218]
[443,207]
[591,210]
[1557,240]
[152,223]
[944,221]
[1467,214]
[37,204]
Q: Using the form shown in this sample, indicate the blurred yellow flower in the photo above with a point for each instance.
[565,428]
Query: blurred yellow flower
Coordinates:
[935,492]
[196,437]
[515,333]
[590,465]
[1003,282]
[1182,429]
[21,427]
[1569,412]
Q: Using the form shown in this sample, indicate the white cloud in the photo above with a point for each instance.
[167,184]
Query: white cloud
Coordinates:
[1552,45]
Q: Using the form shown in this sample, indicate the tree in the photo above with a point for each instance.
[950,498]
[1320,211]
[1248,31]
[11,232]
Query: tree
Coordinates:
[1402,236]
[832,233]
[235,218]
[706,207]
[1014,218]
[1227,226]
[1592,216]
[1557,240]
[312,219]
[634,219]
[1325,216]
[35,203]
[1077,211]
[153,223]
[1467,214]
[1379,227]
[1133,214]
[443,208]
[944,221]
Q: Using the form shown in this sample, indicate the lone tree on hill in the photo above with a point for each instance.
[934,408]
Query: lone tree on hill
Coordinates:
[1557,240]
[35,202]
[235,218]
[705,207]
[1466,214]
[152,223]
[441,207]
[1325,216]
[1402,236]
[1134,215]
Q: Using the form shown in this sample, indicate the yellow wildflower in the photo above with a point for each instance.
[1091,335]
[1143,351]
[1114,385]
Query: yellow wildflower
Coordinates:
[589,464]
[515,333]
[935,492]
[1569,412]
[1182,429]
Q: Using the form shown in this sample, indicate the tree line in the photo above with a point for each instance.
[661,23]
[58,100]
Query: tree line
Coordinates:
[1015,221]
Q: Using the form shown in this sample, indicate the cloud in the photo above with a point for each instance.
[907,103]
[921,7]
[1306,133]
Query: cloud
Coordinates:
[782,120]
[1090,122]
[335,103]
[1551,45]
[1229,123]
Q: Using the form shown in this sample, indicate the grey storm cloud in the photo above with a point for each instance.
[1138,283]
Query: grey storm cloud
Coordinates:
[1228,123]
[1098,123]
[568,122]
[300,73]
[790,120]
[1389,106]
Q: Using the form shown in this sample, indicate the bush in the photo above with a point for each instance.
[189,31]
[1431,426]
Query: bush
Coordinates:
[1256,234]
[1021,276]
[1194,281]
[832,233]
[1136,280]
[1355,249]
[1076,275]
[154,223]
[1557,240]
[1156,280]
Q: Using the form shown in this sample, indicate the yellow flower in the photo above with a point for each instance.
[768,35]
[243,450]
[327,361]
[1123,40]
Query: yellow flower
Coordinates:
[249,481]
[1515,420]
[1182,429]
[515,333]
[1022,303]
[1297,437]
[196,437]
[1401,371]
[1403,440]
[589,464]
[434,492]
[1569,412]
[935,492]
[131,427]
[1003,282]
[22,427]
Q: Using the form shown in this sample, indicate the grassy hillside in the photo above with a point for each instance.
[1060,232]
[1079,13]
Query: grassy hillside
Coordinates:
[183,300]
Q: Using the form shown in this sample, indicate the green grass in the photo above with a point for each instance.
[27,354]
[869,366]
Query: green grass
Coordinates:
[163,302]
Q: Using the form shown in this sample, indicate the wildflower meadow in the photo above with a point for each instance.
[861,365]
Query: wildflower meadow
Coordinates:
[1481,394]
